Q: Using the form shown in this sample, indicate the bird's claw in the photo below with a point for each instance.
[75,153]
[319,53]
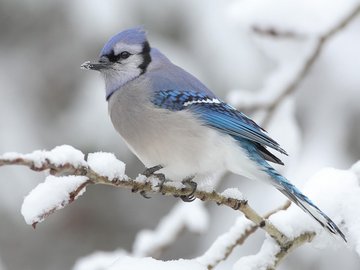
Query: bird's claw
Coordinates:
[237,205]
[150,171]
[187,198]
[191,184]
[144,194]
[162,180]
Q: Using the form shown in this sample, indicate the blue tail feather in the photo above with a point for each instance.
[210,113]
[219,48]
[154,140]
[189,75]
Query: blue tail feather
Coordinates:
[291,191]
[296,196]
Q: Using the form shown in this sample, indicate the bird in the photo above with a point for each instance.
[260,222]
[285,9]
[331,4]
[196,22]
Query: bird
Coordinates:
[177,126]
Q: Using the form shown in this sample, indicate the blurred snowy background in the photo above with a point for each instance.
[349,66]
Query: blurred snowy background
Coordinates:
[46,100]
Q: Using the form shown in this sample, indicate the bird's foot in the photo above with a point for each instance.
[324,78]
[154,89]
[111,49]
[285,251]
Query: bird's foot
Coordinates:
[142,193]
[236,205]
[190,184]
[162,180]
[150,171]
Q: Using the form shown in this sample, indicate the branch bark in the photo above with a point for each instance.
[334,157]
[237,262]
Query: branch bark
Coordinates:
[295,243]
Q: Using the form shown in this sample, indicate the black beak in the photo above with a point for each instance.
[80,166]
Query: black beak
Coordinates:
[95,65]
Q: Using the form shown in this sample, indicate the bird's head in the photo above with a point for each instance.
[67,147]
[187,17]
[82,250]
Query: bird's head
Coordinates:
[124,57]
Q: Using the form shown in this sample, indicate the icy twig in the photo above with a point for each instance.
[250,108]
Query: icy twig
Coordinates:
[275,33]
[293,244]
[147,185]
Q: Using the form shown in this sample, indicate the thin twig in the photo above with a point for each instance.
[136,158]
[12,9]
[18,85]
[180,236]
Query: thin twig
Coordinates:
[293,244]
[271,253]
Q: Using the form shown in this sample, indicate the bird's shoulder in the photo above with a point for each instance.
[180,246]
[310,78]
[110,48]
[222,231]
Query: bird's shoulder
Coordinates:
[172,87]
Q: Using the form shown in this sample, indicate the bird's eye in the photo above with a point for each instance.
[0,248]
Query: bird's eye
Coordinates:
[114,58]
[124,54]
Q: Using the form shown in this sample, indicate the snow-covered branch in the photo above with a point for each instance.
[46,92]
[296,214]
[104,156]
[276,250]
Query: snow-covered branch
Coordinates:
[104,168]
[72,173]
[64,190]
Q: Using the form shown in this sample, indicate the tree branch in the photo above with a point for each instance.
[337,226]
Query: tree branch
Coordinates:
[295,243]
[149,185]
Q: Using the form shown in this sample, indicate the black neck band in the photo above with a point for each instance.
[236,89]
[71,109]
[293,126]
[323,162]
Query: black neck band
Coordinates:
[146,57]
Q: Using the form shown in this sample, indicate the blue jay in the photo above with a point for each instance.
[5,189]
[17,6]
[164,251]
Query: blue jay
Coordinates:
[173,122]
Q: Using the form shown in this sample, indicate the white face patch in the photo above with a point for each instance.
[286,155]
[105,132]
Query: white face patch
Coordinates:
[123,70]
[131,48]
[208,100]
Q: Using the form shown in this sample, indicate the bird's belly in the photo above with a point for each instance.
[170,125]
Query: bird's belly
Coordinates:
[176,141]
[182,153]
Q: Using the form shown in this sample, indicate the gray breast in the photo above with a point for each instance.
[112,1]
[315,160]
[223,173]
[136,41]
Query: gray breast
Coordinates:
[176,140]
[152,133]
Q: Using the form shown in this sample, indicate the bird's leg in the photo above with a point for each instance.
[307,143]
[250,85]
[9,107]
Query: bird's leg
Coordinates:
[151,171]
[162,179]
[191,184]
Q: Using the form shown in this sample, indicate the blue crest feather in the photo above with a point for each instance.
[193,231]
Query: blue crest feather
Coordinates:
[136,35]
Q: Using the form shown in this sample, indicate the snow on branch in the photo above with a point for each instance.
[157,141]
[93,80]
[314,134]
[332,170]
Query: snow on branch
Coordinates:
[335,191]
[63,190]
[68,181]
[108,171]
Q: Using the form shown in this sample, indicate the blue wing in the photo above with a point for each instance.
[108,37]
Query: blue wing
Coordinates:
[218,115]
[226,119]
